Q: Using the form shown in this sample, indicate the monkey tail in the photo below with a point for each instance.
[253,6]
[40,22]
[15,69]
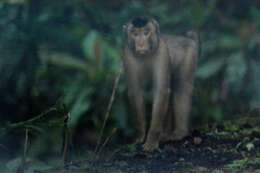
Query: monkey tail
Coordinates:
[194,35]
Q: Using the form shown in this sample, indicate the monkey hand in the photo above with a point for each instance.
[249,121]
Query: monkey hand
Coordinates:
[150,146]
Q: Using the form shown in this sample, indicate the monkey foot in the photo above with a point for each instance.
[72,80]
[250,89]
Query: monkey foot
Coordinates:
[150,146]
[178,135]
[165,137]
[138,141]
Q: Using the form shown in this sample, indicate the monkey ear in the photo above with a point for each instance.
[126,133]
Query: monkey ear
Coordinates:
[124,28]
[156,26]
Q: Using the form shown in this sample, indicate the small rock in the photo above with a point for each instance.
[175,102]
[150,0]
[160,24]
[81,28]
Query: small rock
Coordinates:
[197,140]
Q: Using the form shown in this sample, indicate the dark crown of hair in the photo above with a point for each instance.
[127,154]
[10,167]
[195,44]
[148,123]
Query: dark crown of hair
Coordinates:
[139,22]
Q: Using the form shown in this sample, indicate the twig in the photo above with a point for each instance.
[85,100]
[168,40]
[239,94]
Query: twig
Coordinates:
[28,122]
[106,141]
[65,139]
[112,98]
[21,167]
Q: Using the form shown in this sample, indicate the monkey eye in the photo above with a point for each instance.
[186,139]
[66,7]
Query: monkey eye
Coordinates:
[146,33]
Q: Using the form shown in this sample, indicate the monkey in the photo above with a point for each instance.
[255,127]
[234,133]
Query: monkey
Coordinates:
[170,62]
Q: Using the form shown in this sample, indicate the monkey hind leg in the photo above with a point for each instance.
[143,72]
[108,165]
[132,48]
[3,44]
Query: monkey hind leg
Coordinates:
[140,129]
[140,137]
[182,106]
[166,134]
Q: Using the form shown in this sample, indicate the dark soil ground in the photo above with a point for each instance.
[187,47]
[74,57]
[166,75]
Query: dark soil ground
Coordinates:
[233,146]
[196,153]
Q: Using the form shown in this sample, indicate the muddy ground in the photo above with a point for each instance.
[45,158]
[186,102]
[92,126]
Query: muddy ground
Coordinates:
[233,146]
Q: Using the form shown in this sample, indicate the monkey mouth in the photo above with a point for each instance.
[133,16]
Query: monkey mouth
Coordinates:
[142,52]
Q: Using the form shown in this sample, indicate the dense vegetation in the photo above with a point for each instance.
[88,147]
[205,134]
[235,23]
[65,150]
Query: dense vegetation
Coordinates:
[65,55]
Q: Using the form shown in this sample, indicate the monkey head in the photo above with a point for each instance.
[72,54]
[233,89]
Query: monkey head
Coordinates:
[142,36]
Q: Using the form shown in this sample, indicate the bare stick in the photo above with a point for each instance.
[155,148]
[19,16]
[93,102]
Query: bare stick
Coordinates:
[21,167]
[32,120]
[112,98]
[65,139]
[106,141]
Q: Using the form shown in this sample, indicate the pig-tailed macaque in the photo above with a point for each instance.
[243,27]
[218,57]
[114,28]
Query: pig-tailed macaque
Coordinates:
[171,62]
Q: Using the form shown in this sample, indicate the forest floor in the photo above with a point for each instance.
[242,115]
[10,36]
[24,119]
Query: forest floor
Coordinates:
[230,147]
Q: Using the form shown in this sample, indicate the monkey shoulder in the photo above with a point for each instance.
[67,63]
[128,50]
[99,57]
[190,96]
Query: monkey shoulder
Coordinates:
[179,48]
[178,42]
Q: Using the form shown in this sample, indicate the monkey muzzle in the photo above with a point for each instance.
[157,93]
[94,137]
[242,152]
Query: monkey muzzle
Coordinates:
[141,50]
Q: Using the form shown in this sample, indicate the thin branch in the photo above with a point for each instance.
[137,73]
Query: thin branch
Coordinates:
[65,139]
[112,98]
[106,141]
[21,167]
[30,121]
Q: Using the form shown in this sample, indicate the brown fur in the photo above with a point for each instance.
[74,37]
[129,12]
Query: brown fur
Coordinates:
[171,62]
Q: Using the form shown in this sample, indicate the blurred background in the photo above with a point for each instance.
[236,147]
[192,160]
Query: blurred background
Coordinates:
[68,53]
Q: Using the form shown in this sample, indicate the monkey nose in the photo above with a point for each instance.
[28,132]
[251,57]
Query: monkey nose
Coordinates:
[141,48]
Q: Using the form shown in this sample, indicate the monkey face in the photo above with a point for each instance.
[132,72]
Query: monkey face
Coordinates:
[142,40]
[140,37]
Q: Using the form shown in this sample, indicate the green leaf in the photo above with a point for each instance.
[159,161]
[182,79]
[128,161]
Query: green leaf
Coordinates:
[14,164]
[79,107]
[229,42]
[1,5]
[236,70]
[250,146]
[236,67]
[89,44]
[210,68]
[63,60]
[255,14]
[255,83]
[201,14]
[221,45]
[111,55]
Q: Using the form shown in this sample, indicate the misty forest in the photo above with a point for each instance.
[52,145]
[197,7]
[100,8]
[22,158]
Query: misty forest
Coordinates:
[64,89]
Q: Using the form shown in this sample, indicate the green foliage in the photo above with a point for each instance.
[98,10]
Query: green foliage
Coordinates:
[210,68]
[89,44]
[72,49]
[255,14]
[236,70]
[239,164]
